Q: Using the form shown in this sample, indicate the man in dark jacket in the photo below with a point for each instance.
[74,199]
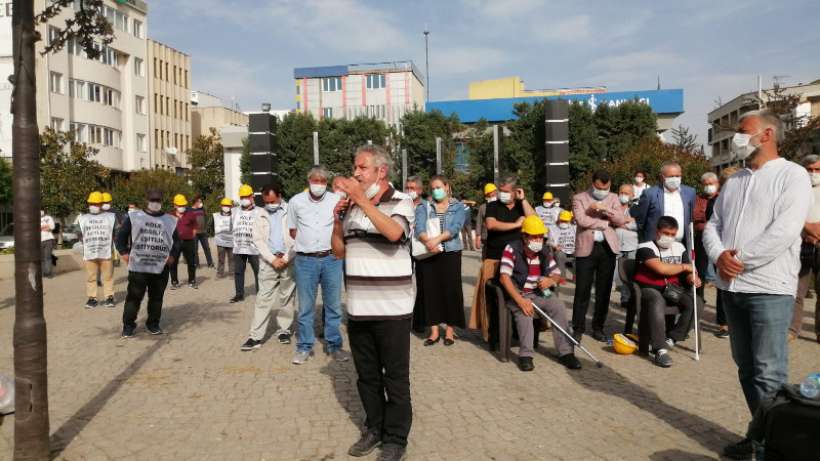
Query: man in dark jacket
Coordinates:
[149,243]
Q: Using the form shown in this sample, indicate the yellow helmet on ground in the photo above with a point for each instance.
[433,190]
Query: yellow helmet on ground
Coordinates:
[106,197]
[623,345]
[245,190]
[489,188]
[547,196]
[226,202]
[180,200]
[533,226]
[565,215]
[95,197]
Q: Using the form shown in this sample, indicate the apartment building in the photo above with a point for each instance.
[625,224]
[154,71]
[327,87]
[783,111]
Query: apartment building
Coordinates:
[169,106]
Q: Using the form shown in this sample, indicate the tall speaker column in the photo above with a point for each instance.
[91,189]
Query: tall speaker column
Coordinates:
[262,143]
[557,149]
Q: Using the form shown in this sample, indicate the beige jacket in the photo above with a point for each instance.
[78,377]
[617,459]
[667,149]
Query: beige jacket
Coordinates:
[261,233]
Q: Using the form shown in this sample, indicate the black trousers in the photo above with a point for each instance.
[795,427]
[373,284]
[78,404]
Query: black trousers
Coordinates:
[203,241]
[654,303]
[138,284]
[381,353]
[598,267]
[189,251]
[239,262]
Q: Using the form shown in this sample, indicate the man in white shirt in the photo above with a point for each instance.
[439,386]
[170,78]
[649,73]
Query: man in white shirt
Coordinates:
[310,219]
[753,237]
[809,254]
[47,243]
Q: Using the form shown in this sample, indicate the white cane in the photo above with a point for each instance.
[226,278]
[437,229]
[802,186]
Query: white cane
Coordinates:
[694,291]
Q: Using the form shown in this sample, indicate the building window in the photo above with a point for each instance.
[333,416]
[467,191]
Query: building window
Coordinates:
[57,124]
[176,140]
[166,73]
[155,67]
[298,89]
[298,106]
[137,29]
[186,111]
[56,83]
[167,106]
[139,104]
[375,81]
[161,139]
[327,112]
[139,71]
[120,21]
[332,84]
[156,137]
[175,75]
[140,142]
[186,79]
[53,32]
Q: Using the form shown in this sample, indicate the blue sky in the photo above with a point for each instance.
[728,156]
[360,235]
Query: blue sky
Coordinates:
[247,49]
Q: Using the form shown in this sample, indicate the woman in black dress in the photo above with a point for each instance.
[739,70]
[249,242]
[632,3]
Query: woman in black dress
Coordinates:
[441,300]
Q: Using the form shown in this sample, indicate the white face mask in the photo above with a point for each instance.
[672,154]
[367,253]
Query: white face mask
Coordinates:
[638,180]
[624,199]
[226,209]
[491,199]
[272,207]
[413,194]
[815,179]
[672,183]
[505,197]
[563,225]
[245,202]
[93,209]
[42,213]
[106,206]
[665,241]
[342,194]
[710,189]
[548,204]
[372,190]
[742,145]
[181,209]
[535,246]
[318,190]
[600,194]
[154,206]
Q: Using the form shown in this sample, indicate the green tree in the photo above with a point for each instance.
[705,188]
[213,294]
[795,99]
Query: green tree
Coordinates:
[684,138]
[294,142]
[339,139]
[420,130]
[132,189]
[6,192]
[68,173]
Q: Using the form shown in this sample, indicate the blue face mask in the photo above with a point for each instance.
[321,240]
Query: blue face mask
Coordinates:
[439,194]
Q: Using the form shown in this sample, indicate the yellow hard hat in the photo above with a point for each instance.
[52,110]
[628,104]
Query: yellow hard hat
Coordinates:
[533,226]
[245,190]
[95,197]
[106,197]
[623,345]
[565,215]
[226,202]
[489,188]
[180,200]
[547,196]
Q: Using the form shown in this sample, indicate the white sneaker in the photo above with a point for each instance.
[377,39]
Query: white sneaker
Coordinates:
[670,342]
[301,357]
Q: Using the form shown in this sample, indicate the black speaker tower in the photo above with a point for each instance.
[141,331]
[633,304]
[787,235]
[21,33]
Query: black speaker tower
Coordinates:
[262,144]
[557,150]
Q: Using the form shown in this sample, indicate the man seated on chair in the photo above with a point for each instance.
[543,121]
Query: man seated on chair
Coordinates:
[529,273]
[664,269]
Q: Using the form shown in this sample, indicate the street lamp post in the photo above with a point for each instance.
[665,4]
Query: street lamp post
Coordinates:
[427,64]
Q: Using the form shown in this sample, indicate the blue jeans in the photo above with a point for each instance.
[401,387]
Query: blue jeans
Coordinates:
[309,273]
[759,324]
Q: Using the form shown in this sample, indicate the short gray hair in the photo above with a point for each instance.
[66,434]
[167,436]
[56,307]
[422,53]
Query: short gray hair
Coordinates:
[768,119]
[318,170]
[415,179]
[708,176]
[380,156]
[669,163]
[509,179]
[809,159]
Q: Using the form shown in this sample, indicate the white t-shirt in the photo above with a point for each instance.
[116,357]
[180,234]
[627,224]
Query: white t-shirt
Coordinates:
[673,207]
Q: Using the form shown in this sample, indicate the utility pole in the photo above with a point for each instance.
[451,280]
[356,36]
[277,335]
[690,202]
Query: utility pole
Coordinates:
[438,155]
[315,147]
[496,149]
[403,167]
[30,352]
[427,63]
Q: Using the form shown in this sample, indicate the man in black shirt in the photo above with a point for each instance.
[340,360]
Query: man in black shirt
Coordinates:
[503,221]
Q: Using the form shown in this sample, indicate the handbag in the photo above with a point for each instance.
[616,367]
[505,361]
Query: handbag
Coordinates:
[673,293]
[418,248]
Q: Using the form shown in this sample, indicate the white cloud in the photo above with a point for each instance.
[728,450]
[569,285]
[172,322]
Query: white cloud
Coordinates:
[570,29]
[466,60]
